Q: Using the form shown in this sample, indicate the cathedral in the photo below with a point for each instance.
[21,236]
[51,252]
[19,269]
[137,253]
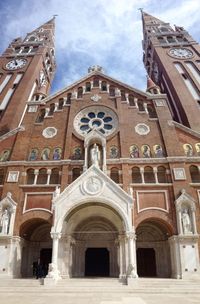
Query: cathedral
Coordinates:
[100,179]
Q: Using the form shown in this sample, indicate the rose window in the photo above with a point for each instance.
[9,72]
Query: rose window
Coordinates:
[102,119]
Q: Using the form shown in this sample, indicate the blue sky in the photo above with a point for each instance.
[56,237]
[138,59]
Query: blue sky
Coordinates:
[104,32]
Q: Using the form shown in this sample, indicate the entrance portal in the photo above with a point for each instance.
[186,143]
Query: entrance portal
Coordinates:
[146,262]
[97,262]
[45,259]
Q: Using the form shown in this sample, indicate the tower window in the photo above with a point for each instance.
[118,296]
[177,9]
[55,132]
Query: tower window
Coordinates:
[114,175]
[131,100]
[96,82]
[88,87]
[76,172]
[80,92]
[136,175]
[69,96]
[52,109]
[41,116]
[112,91]
[104,86]
[123,96]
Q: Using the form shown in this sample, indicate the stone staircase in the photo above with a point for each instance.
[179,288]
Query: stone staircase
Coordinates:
[98,291]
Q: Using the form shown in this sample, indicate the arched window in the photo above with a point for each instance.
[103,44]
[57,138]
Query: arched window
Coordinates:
[171,39]
[141,106]
[151,111]
[76,172]
[161,173]
[149,175]
[55,176]
[95,82]
[80,92]
[195,175]
[69,96]
[30,176]
[123,96]
[161,40]
[112,90]
[52,109]
[136,175]
[104,86]
[32,38]
[114,175]
[131,100]
[88,87]
[60,104]
[42,177]
[41,116]
[2,176]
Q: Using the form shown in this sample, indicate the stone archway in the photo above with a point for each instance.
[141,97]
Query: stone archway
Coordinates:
[37,244]
[90,226]
[153,250]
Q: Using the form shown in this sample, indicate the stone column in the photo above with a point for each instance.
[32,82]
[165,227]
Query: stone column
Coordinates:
[121,270]
[48,176]
[179,221]
[53,267]
[194,227]
[36,172]
[155,171]
[142,174]
[104,158]
[131,271]
[86,159]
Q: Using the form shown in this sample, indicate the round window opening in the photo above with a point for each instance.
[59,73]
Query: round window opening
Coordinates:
[104,120]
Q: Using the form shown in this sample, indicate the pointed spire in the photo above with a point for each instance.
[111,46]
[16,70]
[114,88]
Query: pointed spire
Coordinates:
[149,19]
[152,87]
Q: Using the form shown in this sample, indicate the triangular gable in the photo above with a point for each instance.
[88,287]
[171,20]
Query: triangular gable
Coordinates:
[99,74]
[92,186]
[185,198]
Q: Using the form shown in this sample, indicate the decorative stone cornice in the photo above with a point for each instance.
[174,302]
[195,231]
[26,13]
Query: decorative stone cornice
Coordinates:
[11,133]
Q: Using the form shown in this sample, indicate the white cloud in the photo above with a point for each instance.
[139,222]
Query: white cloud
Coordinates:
[103,32]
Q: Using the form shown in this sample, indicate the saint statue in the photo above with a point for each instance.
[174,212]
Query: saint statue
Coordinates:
[95,155]
[5,222]
[186,222]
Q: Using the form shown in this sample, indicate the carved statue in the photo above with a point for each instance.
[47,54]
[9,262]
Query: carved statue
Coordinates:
[95,155]
[186,222]
[5,222]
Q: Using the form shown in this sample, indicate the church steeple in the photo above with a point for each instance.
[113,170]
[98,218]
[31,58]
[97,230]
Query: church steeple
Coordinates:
[27,68]
[171,58]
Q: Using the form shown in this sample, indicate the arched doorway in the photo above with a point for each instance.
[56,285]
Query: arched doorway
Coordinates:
[37,244]
[90,238]
[153,251]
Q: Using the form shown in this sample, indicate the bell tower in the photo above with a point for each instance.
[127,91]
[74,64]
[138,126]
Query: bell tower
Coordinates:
[172,59]
[26,71]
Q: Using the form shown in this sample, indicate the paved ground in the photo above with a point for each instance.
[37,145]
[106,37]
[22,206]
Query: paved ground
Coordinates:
[100,292]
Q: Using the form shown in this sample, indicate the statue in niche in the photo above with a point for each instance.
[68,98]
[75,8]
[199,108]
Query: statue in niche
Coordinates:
[146,151]
[197,146]
[5,155]
[158,151]
[33,154]
[57,154]
[77,153]
[134,151]
[95,155]
[186,222]
[188,150]
[5,221]
[114,152]
[45,154]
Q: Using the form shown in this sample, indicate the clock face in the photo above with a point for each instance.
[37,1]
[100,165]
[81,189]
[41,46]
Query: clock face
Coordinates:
[15,64]
[181,53]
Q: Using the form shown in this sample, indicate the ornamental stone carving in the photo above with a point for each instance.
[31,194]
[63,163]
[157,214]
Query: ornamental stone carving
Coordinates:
[95,97]
[93,185]
[49,132]
[142,129]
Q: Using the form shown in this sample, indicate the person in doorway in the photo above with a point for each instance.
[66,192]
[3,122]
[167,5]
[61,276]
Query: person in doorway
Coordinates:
[39,270]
